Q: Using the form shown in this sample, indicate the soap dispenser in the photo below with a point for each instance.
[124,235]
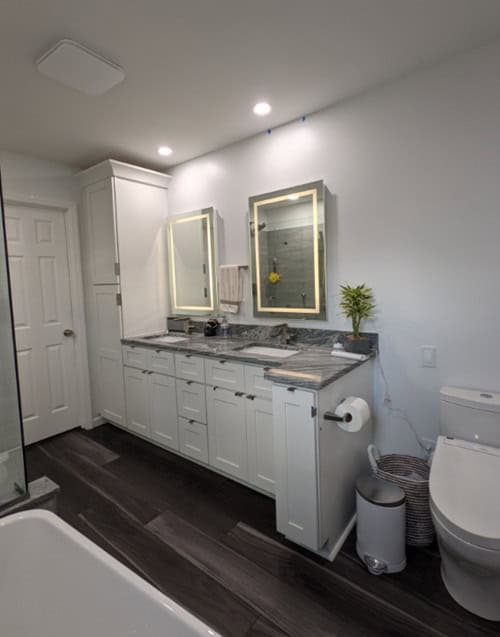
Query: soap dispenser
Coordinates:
[224,328]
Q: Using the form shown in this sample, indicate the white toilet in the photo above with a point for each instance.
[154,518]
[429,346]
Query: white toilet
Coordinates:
[465,498]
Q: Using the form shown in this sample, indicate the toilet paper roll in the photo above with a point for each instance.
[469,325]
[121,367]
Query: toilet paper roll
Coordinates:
[355,413]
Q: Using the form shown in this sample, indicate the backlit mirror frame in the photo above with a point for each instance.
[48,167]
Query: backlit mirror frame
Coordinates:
[316,190]
[210,215]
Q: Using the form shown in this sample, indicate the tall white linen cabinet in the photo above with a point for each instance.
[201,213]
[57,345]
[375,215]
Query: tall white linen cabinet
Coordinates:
[123,214]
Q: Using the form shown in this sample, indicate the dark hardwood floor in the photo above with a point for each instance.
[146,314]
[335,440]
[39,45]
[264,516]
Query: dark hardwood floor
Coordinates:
[211,545]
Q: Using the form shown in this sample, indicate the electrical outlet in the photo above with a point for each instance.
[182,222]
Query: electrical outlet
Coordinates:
[428,355]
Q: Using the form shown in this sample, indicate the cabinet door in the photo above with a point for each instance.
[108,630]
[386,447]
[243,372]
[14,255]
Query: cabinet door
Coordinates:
[100,221]
[141,211]
[296,471]
[227,438]
[260,438]
[137,400]
[106,358]
[163,410]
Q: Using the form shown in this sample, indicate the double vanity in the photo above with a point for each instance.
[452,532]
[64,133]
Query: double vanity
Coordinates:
[254,411]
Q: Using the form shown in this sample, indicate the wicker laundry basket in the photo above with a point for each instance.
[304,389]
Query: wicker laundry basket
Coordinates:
[412,475]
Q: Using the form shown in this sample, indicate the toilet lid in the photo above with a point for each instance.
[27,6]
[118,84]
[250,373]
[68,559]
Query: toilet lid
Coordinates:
[465,490]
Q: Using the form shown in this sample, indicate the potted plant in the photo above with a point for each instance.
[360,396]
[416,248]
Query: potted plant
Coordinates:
[357,303]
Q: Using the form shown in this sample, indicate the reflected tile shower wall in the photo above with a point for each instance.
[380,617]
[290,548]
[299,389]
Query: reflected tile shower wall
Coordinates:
[12,469]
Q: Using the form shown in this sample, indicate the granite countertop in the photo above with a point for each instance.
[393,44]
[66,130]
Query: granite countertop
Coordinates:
[313,367]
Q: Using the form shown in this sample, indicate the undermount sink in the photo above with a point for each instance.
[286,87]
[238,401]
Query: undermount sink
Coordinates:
[170,339]
[272,352]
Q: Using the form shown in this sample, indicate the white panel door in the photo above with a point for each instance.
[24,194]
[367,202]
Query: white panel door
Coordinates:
[137,400]
[39,270]
[227,437]
[163,410]
[296,470]
[107,377]
[260,437]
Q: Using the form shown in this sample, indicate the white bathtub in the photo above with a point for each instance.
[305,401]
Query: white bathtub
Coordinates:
[56,583]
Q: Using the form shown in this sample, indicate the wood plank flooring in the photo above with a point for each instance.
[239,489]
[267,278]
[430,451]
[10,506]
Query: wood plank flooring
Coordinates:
[211,545]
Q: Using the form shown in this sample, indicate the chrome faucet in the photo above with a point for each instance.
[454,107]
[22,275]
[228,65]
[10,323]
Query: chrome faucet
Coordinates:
[281,330]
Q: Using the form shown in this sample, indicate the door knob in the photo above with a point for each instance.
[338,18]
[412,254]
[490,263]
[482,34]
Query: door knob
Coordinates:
[68,332]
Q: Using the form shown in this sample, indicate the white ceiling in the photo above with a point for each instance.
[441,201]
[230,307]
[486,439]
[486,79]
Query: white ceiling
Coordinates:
[194,68]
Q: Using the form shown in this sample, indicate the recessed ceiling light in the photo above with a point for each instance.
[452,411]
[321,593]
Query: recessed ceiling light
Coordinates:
[262,108]
[165,151]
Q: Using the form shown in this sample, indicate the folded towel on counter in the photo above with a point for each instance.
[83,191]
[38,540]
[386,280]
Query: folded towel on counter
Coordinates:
[354,357]
[230,288]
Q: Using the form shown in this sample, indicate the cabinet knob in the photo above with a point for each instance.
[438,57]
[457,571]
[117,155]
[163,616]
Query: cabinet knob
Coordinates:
[222,362]
[251,397]
[189,382]
[238,393]
[292,389]
[68,332]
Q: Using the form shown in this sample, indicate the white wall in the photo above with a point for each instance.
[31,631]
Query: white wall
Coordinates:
[415,168]
[22,175]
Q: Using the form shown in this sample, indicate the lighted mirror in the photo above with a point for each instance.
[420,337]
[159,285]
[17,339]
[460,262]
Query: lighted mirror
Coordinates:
[287,236]
[192,262]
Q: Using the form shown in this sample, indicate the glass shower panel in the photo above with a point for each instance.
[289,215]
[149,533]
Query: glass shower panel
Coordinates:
[12,468]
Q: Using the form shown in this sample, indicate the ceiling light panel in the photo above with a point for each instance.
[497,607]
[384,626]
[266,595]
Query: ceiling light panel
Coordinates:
[74,65]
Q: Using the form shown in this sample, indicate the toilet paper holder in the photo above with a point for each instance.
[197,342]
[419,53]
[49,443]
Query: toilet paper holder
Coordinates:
[330,415]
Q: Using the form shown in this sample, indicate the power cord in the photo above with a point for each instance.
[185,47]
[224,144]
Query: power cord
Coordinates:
[397,411]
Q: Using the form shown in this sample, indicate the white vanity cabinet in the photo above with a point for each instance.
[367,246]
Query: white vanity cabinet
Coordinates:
[317,463]
[215,411]
[150,403]
[122,216]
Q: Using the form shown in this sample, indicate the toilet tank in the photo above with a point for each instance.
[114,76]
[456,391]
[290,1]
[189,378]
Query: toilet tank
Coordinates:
[470,414]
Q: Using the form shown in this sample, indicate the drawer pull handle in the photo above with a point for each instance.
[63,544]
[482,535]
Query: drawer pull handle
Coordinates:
[239,393]
[222,362]
[251,397]
[188,355]
[214,387]
[292,389]
[191,421]
[189,382]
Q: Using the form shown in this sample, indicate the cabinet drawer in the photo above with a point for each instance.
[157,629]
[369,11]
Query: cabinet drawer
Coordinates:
[191,400]
[161,361]
[193,439]
[189,367]
[222,373]
[135,356]
[256,384]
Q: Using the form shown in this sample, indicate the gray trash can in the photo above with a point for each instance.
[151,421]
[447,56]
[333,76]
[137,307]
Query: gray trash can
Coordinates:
[381,525]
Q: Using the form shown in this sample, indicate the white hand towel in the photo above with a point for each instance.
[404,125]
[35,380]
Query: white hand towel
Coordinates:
[230,288]
[350,355]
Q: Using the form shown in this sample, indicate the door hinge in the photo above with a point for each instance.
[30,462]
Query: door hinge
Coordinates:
[314,412]
[117,269]
[119,299]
